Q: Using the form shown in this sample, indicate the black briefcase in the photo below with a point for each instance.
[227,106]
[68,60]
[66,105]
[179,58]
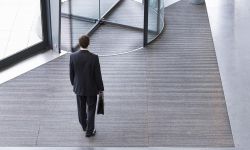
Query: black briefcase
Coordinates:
[100,106]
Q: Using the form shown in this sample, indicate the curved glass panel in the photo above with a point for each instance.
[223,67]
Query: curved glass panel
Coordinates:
[155,19]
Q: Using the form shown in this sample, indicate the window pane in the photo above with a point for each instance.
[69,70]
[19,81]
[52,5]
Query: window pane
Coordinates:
[155,18]
[20,25]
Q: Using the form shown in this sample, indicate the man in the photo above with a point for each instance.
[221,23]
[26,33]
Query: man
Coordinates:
[86,79]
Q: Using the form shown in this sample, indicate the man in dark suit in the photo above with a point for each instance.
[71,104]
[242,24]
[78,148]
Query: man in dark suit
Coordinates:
[86,79]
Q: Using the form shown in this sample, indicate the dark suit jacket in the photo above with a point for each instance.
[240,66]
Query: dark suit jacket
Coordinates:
[85,73]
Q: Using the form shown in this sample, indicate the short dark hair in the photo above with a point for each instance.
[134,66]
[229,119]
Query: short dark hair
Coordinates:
[84,41]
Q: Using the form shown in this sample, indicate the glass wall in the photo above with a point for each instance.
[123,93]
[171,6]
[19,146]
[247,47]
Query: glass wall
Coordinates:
[20,26]
[155,19]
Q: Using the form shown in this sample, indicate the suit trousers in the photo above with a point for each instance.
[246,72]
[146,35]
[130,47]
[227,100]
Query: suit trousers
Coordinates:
[86,117]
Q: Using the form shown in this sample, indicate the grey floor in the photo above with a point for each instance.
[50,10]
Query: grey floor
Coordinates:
[168,94]
[122,40]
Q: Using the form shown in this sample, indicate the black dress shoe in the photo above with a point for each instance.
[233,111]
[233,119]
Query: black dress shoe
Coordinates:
[84,129]
[91,134]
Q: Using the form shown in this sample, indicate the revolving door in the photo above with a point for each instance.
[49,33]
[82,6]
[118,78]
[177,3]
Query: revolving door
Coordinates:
[85,17]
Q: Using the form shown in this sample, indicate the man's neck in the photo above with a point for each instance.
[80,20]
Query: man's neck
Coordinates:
[83,49]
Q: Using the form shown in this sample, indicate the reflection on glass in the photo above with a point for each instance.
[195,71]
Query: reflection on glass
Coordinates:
[84,13]
[79,28]
[82,8]
[106,5]
[155,18]
[20,25]
[93,9]
[129,12]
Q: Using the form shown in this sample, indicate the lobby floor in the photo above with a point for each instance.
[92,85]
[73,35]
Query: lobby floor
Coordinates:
[167,94]
[230,29]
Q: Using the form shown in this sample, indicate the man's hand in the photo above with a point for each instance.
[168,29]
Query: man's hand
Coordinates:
[101,93]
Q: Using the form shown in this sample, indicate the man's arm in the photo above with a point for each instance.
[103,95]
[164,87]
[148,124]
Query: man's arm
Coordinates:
[98,76]
[71,71]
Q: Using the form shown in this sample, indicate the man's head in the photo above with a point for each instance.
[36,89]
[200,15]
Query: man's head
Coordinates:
[84,41]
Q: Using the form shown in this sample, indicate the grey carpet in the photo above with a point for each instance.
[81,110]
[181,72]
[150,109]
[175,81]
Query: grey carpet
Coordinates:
[168,94]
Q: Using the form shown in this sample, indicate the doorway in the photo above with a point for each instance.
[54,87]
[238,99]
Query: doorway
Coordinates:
[84,17]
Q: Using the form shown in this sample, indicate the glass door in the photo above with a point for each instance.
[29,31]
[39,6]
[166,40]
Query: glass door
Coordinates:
[129,13]
[23,29]
[20,25]
[78,17]
[154,20]
[84,9]
[139,17]
[106,6]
